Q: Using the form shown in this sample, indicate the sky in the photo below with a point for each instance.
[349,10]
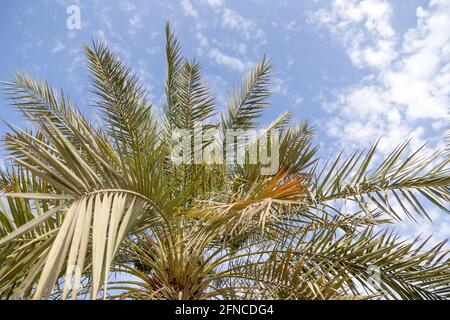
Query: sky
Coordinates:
[357,70]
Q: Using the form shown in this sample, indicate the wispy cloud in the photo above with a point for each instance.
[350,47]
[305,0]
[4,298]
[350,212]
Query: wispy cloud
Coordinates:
[188,9]
[229,61]
[59,46]
[246,26]
[215,3]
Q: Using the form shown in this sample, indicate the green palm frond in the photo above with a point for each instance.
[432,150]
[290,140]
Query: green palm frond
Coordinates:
[174,61]
[193,100]
[121,98]
[246,104]
[396,187]
[296,153]
[323,265]
[40,103]
[281,122]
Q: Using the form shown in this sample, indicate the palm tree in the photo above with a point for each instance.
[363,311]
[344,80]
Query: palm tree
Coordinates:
[91,210]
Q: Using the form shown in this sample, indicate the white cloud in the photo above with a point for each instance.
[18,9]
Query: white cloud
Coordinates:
[291,25]
[290,60]
[298,101]
[146,79]
[202,39]
[439,229]
[136,21]
[215,3]
[229,61]
[405,86]
[219,88]
[421,79]
[188,9]
[241,47]
[213,47]
[135,17]
[246,26]
[279,86]
[364,28]
[59,46]
[128,6]
[73,70]
[234,21]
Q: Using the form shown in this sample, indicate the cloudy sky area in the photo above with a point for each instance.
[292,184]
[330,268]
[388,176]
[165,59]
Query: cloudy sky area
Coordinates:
[357,70]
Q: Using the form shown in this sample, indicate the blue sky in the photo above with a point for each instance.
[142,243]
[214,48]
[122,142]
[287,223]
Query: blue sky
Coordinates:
[356,69]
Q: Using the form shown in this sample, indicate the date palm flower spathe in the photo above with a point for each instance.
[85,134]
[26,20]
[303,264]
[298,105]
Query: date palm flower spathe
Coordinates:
[98,209]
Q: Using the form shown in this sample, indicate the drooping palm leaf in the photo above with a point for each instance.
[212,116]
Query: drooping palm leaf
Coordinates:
[398,186]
